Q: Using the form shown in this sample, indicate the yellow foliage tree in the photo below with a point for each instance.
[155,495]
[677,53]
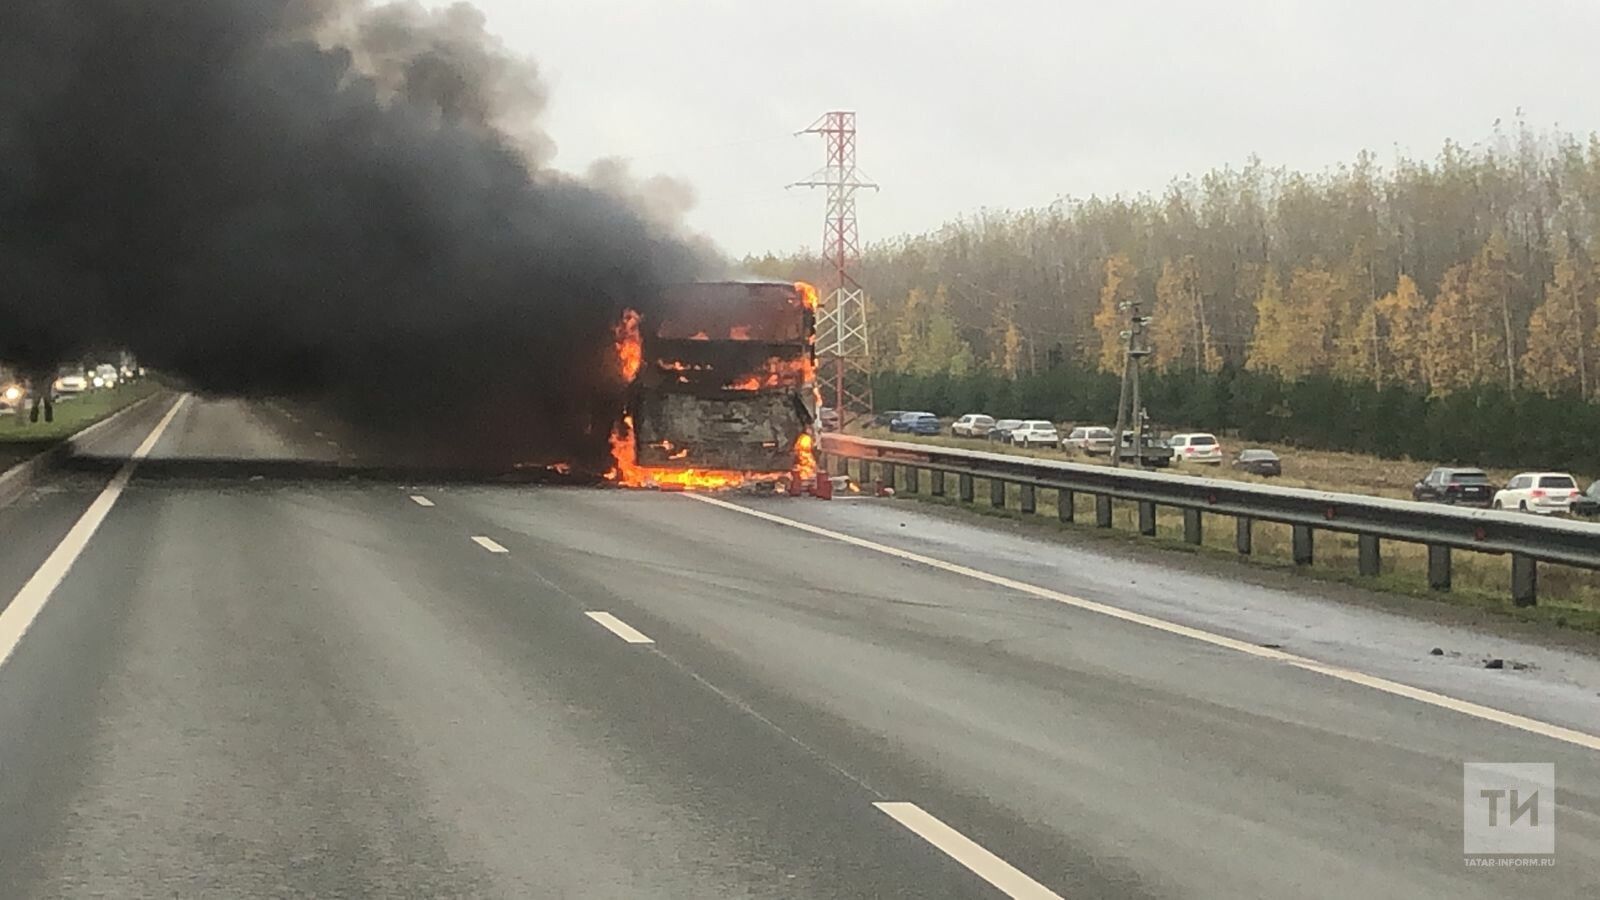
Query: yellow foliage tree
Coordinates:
[928,339]
[1453,357]
[1294,334]
[1488,289]
[1269,345]
[1402,329]
[1110,321]
[1557,357]
[1179,332]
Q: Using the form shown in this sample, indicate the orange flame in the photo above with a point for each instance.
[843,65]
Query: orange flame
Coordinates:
[808,295]
[630,346]
[626,470]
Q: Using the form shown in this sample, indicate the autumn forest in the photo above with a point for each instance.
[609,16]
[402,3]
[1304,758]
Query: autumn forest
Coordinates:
[1472,267]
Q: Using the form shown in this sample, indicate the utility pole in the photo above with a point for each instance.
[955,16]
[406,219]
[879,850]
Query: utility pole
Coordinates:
[1137,350]
[843,351]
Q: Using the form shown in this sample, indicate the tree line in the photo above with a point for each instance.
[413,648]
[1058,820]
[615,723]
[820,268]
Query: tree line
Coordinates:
[1483,425]
[1434,276]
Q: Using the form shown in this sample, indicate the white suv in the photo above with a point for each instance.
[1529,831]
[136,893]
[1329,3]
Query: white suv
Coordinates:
[1196,448]
[1538,492]
[972,425]
[1035,433]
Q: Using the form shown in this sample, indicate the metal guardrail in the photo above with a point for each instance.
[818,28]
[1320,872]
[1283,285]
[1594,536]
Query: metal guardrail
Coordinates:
[1529,540]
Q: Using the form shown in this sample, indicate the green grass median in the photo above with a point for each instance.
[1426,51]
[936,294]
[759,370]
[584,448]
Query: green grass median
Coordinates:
[21,439]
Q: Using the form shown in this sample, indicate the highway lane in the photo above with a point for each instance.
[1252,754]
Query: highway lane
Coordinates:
[251,688]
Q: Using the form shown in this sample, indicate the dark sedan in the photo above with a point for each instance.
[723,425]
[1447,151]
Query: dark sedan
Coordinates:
[1588,502]
[1257,461]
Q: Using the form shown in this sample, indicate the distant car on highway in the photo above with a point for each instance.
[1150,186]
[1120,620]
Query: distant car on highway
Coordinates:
[104,376]
[924,423]
[1034,433]
[1001,432]
[71,382]
[1091,440]
[1538,492]
[1587,503]
[13,393]
[828,418]
[885,418]
[1197,447]
[1258,461]
[1458,487]
[972,425]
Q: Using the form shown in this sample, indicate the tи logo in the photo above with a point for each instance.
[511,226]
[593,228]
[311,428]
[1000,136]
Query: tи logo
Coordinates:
[1509,809]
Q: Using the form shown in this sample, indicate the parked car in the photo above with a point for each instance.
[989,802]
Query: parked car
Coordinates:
[1001,431]
[104,376]
[886,417]
[828,418]
[1197,447]
[1153,452]
[916,423]
[1091,440]
[71,382]
[1034,433]
[1588,502]
[1538,492]
[1460,487]
[1258,461]
[972,425]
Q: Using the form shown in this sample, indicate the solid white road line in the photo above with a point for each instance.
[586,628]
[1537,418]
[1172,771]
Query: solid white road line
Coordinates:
[1003,875]
[619,628]
[420,500]
[489,545]
[1352,676]
[16,619]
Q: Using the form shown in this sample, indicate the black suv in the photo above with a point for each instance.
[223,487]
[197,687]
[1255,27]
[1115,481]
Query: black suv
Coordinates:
[1458,487]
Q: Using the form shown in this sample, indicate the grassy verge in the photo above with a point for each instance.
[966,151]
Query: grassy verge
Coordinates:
[1569,598]
[21,439]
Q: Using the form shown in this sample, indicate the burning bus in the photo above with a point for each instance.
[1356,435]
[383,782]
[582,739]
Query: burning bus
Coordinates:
[721,386]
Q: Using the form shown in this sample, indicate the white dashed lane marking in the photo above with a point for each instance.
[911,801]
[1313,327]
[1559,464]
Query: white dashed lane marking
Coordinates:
[1010,880]
[619,628]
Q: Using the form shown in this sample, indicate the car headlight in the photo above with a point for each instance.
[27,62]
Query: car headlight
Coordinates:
[13,393]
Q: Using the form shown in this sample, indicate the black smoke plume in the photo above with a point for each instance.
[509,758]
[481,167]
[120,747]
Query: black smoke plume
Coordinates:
[319,199]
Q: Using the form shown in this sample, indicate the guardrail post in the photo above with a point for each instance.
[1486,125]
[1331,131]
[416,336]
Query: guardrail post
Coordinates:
[887,475]
[964,483]
[863,472]
[1064,505]
[997,493]
[1524,580]
[1242,534]
[1029,505]
[1192,532]
[1369,560]
[1147,518]
[1302,545]
[1439,567]
[1102,510]
[936,479]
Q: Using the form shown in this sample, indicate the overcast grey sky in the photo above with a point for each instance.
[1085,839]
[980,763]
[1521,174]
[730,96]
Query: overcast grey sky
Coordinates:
[1011,103]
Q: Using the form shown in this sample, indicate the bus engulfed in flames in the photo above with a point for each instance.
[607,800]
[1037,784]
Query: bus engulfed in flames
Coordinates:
[721,388]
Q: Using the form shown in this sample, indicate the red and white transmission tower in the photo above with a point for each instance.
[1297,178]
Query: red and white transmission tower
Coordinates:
[843,352]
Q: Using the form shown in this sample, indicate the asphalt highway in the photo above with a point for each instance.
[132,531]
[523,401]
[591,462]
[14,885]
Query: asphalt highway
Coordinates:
[253,678]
